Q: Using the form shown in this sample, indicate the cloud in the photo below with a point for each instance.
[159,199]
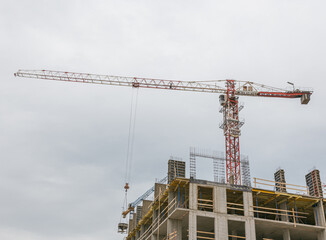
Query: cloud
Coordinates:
[63,145]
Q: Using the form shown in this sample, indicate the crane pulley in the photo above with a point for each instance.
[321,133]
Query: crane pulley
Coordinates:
[231,91]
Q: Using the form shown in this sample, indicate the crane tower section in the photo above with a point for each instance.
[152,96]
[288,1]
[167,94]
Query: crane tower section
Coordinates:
[231,126]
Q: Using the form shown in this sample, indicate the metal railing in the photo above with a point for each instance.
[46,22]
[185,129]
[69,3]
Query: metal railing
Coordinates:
[299,189]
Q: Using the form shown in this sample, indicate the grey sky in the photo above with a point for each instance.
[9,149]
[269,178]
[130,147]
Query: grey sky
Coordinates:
[63,145]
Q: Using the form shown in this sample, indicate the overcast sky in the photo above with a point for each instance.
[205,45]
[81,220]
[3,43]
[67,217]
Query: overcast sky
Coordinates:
[63,145]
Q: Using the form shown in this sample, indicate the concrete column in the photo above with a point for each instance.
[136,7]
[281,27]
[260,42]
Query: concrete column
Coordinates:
[193,196]
[171,198]
[319,214]
[192,225]
[142,229]
[250,226]
[250,229]
[286,235]
[154,237]
[248,204]
[220,199]
[154,218]
[179,230]
[283,206]
[321,235]
[221,228]
[174,225]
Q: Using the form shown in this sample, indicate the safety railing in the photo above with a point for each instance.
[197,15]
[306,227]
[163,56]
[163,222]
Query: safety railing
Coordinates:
[211,235]
[235,208]
[163,214]
[280,186]
[236,237]
[205,205]
[171,236]
[203,235]
[292,215]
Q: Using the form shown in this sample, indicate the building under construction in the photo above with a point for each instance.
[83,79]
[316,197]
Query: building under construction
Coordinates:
[227,207]
[190,208]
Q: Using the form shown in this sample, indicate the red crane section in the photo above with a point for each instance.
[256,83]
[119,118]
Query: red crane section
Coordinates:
[231,126]
[229,101]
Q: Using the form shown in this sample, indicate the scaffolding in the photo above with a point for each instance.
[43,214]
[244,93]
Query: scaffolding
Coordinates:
[160,209]
[192,163]
[245,169]
[219,161]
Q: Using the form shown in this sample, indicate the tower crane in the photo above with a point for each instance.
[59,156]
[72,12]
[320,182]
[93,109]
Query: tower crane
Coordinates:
[229,100]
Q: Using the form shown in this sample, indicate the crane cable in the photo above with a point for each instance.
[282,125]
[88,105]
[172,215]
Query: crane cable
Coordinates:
[131,135]
[130,145]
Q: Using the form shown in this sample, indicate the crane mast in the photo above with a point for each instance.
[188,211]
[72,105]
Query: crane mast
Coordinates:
[229,100]
[231,126]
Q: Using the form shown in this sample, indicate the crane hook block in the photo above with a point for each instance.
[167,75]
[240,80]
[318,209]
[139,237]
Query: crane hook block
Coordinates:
[126,187]
[122,227]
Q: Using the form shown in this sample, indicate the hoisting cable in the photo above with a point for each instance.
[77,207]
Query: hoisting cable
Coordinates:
[124,205]
[126,187]
[131,137]
[130,145]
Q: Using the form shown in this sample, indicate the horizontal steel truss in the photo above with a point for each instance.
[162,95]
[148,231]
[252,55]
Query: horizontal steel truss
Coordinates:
[193,86]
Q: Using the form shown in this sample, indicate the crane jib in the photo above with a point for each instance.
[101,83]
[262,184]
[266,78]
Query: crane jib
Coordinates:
[245,88]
